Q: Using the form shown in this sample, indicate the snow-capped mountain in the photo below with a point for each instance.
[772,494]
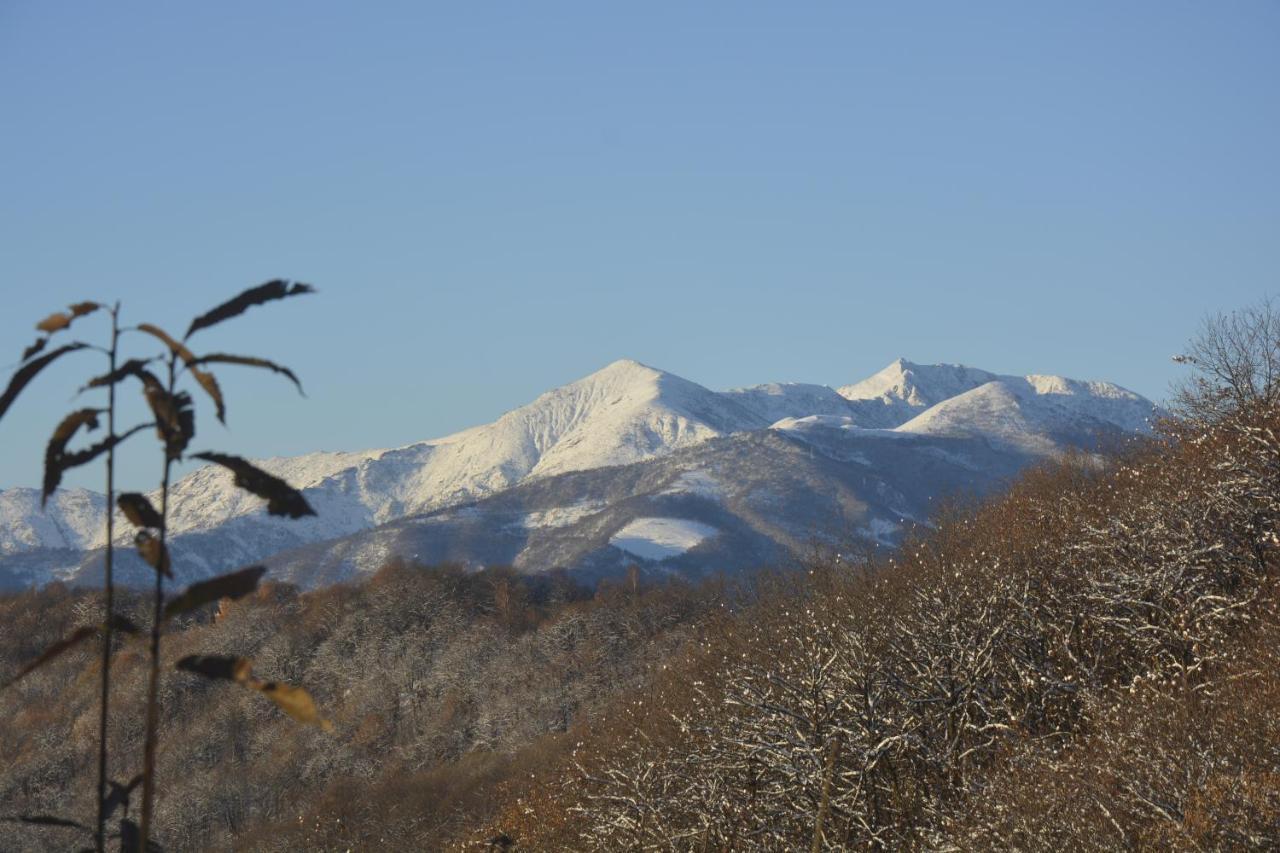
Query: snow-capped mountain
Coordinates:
[72,520]
[623,416]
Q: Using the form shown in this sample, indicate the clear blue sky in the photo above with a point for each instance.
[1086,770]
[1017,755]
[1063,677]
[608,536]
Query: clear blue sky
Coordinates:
[495,199]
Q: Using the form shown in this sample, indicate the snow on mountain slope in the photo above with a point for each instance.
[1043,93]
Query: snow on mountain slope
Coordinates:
[73,519]
[1036,413]
[902,390]
[621,414]
[779,400]
[940,425]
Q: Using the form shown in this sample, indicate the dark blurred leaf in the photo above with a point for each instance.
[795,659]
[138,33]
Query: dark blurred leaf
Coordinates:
[34,348]
[76,637]
[219,667]
[131,839]
[156,554]
[139,510]
[80,457]
[275,289]
[132,367]
[175,420]
[28,372]
[232,585]
[206,380]
[82,308]
[55,452]
[250,361]
[44,820]
[282,499]
[118,795]
[124,625]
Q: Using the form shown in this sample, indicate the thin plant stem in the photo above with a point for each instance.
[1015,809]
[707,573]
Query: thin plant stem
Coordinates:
[153,684]
[108,585]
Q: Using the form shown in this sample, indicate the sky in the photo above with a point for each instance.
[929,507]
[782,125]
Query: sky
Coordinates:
[496,199]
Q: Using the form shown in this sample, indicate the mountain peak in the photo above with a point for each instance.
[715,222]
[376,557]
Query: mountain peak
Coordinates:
[917,385]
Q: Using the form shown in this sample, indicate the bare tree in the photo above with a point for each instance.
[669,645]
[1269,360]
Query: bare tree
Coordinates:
[1236,359]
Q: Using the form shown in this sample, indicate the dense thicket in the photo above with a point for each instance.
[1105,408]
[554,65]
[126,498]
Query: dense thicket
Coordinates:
[1089,662]
[441,684]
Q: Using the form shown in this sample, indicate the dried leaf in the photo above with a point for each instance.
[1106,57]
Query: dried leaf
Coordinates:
[282,499]
[218,667]
[81,308]
[55,322]
[205,379]
[28,372]
[55,452]
[276,289]
[250,361]
[139,510]
[34,348]
[156,554]
[132,367]
[232,585]
[70,641]
[294,701]
[80,457]
[175,421]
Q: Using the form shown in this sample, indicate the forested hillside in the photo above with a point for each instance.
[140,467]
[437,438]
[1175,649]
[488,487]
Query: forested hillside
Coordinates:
[1088,663]
[439,684]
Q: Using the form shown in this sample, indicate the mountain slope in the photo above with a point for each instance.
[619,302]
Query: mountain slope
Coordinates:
[73,519]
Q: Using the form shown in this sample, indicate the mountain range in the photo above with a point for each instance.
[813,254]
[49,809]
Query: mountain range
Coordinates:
[630,465]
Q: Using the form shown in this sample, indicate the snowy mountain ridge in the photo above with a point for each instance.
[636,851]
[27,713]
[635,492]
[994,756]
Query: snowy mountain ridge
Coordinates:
[623,414]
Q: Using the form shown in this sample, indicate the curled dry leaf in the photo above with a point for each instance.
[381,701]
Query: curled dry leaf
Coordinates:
[139,510]
[175,420]
[58,321]
[55,452]
[232,585]
[154,552]
[282,499]
[294,701]
[133,367]
[250,361]
[55,322]
[71,459]
[28,371]
[205,379]
[68,642]
[275,289]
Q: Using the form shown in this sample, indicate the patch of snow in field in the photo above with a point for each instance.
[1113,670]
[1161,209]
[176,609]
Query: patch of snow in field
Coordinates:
[661,538]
